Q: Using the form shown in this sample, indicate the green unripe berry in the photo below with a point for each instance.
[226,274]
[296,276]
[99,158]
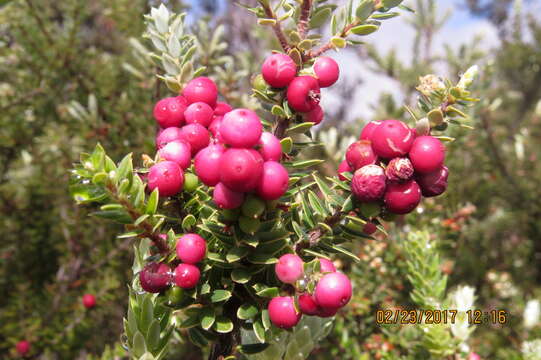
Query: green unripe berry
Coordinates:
[175,296]
[249,225]
[191,182]
[253,207]
[230,214]
[370,209]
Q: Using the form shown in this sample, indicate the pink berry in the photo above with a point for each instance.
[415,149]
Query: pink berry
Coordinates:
[402,198]
[168,135]
[23,347]
[278,70]
[282,312]
[315,115]
[177,151]
[434,183]
[270,147]
[327,312]
[326,70]
[169,112]
[201,89]
[222,108]
[399,169]
[241,128]
[359,154]
[207,164]
[368,130]
[197,136]
[89,301]
[392,138]
[307,304]
[303,93]
[342,168]
[333,290]
[199,113]
[289,268]
[273,182]
[187,276]
[155,277]
[326,266]
[226,198]
[214,128]
[427,154]
[167,177]
[369,228]
[368,183]
[241,169]
[191,248]
[473,356]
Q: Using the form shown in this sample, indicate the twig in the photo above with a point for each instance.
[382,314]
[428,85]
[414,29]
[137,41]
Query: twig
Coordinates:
[329,45]
[302,27]
[277,28]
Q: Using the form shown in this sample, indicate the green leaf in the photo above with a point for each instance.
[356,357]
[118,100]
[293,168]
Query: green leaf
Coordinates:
[365,8]
[196,337]
[152,204]
[385,16]
[278,111]
[265,319]
[258,258]
[338,42]
[320,17]
[147,313]
[208,317]
[220,295]
[391,3]
[223,325]
[236,253]
[364,29]
[316,204]
[305,163]
[287,145]
[300,128]
[125,169]
[240,276]
[259,331]
[250,349]
[269,292]
[247,311]
[139,346]
[140,219]
[119,216]
[191,321]
[188,222]
[84,194]
[153,335]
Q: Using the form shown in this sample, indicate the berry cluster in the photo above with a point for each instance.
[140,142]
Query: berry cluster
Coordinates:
[302,91]
[190,249]
[393,166]
[331,291]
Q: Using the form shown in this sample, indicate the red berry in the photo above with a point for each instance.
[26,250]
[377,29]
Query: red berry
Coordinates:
[315,115]
[289,268]
[303,93]
[241,128]
[207,164]
[342,168]
[392,138]
[368,183]
[191,248]
[169,112]
[434,183]
[307,304]
[168,135]
[214,128]
[270,147]
[273,182]
[427,154]
[155,277]
[368,130]
[197,136]
[89,301]
[23,347]
[369,228]
[402,198]
[399,169]
[326,266]
[179,152]
[222,108]
[359,154]
[167,177]
[326,70]
[201,89]
[187,276]
[226,198]
[333,290]
[282,312]
[278,70]
[241,169]
[327,312]
[199,113]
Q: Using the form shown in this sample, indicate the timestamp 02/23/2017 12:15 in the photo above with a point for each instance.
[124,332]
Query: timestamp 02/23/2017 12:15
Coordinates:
[476,316]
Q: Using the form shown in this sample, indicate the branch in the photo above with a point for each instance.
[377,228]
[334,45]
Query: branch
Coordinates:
[328,46]
[277,28]
[302,27]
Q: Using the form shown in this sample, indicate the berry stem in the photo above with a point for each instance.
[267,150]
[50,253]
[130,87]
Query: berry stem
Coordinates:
[277,28]
[302,27]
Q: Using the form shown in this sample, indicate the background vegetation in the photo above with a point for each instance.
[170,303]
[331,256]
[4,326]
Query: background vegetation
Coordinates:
[72,74]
